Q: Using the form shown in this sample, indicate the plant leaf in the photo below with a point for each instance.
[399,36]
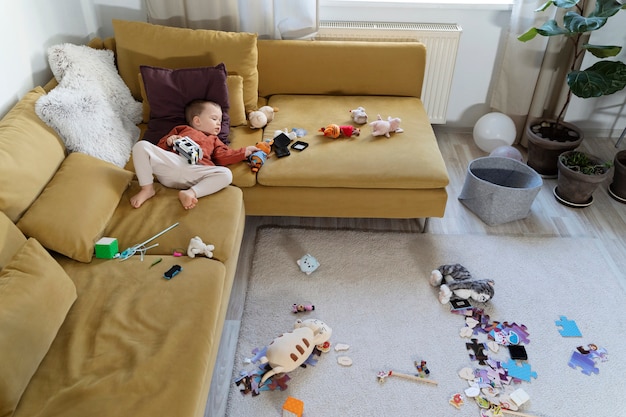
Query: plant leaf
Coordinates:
[603,51]
[606,8]
[544,6]
[576,23]
[565,4]
[601,79]
[551,28]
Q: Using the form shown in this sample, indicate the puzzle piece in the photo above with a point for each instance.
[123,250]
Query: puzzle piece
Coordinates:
[521,331]
[519,371]
[479,351]
[568,327]
[585,362]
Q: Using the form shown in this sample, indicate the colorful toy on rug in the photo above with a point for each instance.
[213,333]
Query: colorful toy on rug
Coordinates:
[455,279]
[293,407]
[334,131]
[301,308]
[198,247]
[290,350]
[383,375]
[258,119]
[257,159]
[587,358]
[382,127]
[359,116]
[568,328]
[308,264]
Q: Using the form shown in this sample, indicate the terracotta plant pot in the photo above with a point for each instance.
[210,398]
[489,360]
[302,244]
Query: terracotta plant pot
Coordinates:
[617,189]
[543,152]
[574,188]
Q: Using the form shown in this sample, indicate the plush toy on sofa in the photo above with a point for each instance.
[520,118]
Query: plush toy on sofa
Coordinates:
[359,116]
[258,119]
[198,247]
[455,279]
[334,131]
[258,158]
[382,127]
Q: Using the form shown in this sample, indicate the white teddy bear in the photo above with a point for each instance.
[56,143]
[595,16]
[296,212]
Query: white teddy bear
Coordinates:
[359,116]
[198,247]
[258,119]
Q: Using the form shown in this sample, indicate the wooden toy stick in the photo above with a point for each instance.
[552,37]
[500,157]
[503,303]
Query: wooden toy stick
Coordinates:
[382,375]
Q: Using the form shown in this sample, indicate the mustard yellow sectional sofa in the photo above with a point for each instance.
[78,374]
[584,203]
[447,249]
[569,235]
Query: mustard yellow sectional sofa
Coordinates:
[103,337]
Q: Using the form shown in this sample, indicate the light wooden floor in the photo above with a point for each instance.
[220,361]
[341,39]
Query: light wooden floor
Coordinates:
[604,219]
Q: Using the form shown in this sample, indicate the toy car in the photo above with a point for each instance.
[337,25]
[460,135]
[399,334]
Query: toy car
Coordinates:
[189,149]
[172,272]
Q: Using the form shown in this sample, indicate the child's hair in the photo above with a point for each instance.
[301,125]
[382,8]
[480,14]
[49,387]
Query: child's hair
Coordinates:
[195,107]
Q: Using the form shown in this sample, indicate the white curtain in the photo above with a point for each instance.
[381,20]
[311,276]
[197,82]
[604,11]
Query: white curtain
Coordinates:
[531,81]
[270,19]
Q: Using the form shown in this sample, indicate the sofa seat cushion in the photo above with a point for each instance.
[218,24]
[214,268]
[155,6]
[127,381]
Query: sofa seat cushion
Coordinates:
[408,160]
[215,219]
[134,343]
[35,296]
[242,136]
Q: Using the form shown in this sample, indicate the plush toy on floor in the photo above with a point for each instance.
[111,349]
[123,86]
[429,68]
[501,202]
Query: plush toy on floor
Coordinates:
[258,158]
[308,264]
[382,127]
[258,119]
[198,247]
[334,131]
[290,350]
[359,116]
[455,279]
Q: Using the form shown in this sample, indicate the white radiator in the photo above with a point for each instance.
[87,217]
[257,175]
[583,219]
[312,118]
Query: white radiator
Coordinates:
[441,40]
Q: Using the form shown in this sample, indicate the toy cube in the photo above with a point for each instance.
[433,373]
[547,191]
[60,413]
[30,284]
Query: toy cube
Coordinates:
[293,407]
[106,248]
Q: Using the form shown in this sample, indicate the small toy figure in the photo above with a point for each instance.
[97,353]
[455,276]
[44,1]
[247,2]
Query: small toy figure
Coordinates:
[456,280]
[382,127]
[359,116]
[457,401]
[198,247]
[422,369]
[257,159]
[308,264]
[301,308]
[334,131]
[258,119]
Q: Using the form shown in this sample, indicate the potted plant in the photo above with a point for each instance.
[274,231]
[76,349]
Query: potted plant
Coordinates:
[617,189]
[549,138]
[579,174]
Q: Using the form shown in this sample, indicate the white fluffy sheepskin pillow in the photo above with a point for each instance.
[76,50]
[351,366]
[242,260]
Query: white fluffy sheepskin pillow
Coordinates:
[91,108]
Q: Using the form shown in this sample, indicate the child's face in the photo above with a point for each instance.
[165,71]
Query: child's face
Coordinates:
[209,121]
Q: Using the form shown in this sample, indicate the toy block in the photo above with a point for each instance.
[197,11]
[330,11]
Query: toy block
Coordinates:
[106,248]
[293,407]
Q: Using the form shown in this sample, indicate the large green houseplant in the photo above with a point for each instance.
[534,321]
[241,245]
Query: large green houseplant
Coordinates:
[549,138]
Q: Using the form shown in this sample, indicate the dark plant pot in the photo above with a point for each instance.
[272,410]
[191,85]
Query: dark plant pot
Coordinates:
[574,188]
[543,152]
[617,189]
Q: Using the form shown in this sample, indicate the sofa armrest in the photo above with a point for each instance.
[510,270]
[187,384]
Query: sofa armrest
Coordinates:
[341,67]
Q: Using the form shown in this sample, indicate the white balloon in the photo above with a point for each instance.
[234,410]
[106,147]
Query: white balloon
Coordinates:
[493,130]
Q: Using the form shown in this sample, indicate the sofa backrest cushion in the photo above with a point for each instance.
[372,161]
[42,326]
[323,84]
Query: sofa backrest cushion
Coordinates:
[11,240]
[30,153]
[35,296]
[341,67]
[139,43]
[82,185]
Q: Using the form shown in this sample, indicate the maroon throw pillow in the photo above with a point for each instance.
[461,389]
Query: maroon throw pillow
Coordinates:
[169,90]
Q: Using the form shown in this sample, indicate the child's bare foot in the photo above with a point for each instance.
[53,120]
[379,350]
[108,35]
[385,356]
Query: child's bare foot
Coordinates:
[146,192]
[187,198]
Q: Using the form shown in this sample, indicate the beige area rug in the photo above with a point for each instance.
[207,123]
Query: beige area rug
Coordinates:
[372,288]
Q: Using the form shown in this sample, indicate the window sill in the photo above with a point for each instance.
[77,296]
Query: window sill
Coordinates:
[429,4]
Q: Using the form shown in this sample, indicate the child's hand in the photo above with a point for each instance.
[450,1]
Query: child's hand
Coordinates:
[250,150]
[170,140]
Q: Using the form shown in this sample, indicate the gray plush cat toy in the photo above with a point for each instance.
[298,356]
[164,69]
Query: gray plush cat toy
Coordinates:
[456,280]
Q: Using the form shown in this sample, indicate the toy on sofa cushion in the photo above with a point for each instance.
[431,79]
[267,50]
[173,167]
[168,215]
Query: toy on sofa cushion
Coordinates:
[290,350]
[258,119]
[258,158]
[455,279]
[334,131]
[308,264]
[359,116]
[198,247]
[382,127]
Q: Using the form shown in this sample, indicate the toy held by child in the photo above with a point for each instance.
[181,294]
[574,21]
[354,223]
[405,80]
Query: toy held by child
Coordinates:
[257,159]
[334,131]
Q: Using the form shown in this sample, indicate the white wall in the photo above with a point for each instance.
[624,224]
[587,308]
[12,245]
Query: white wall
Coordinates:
[29,27]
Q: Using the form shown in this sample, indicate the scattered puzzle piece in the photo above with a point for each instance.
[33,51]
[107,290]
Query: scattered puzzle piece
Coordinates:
[479,351]
[568,327]
[519,371]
